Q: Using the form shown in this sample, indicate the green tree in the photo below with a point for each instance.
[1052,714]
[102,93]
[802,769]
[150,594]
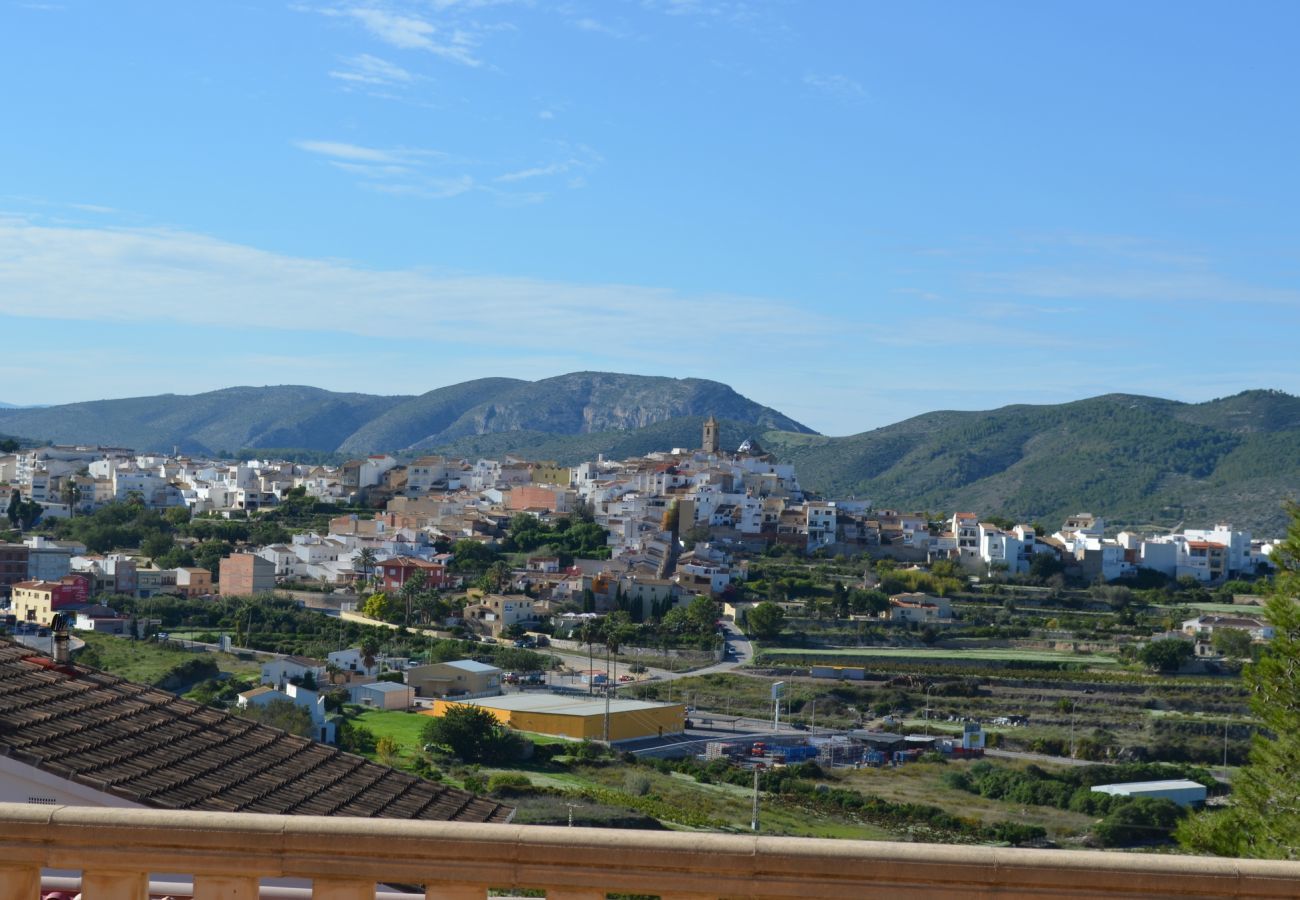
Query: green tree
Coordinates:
[766,620]
[369,651]
[383,607]
[1233,643]
[471,734]
[412,589]
[366,560]
[1264,821]
[1166,656]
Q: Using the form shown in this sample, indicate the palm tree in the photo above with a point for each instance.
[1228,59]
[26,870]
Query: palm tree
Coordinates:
[71,494]
[412,588]
[369,651]
[587,633]
[617,628]
[367,560]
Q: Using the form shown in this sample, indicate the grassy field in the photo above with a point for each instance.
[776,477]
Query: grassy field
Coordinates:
[939,654]
[922,783]
[402,727]
[147,662]
[1231,609]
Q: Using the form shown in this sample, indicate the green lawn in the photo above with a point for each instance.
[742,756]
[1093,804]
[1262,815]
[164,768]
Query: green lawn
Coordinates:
[1221,608]
[403,727]
[938,654]
[147,662]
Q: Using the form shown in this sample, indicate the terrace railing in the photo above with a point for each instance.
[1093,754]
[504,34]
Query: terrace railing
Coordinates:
[227,855]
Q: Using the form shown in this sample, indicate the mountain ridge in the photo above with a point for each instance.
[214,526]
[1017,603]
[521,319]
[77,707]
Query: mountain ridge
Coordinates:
[312,418]
[1137,460]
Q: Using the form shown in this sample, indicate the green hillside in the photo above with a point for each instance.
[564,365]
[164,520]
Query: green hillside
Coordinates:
[572,449]
[312,419]
[1136,460]
[280,416]
[418,419]
[592,402]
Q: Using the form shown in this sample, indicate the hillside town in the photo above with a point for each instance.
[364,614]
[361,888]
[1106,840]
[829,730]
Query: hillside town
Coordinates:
[731,505]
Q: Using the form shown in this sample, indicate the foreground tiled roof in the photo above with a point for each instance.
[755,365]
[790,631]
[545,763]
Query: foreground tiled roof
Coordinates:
[149,746]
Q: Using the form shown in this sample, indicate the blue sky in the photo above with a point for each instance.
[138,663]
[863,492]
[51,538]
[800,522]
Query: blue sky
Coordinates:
[853,212]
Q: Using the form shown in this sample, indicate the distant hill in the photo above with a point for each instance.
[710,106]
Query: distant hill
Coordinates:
[312,419]
[1135,460]
[571,449]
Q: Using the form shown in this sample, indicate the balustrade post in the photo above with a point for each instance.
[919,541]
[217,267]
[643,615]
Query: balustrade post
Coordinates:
[225,887]
[455,892]
[20,881]
[105,884]
[340,889]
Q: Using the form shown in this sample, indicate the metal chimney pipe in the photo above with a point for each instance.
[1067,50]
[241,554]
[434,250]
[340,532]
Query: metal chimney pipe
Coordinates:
[59,628]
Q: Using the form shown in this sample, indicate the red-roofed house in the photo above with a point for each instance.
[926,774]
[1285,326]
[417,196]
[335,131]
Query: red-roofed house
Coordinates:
[394,572]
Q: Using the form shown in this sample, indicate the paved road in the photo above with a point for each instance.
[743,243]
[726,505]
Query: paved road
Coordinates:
[740,652]
[1044,758]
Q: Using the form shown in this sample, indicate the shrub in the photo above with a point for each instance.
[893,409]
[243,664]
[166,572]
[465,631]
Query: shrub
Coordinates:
[509,783]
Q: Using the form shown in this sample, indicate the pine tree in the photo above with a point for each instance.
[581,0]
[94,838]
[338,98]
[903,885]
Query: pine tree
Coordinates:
[1264,820]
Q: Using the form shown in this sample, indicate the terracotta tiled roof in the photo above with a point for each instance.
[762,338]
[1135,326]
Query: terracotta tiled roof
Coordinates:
[150,747]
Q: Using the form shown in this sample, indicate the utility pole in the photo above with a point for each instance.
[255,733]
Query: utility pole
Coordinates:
[607,693]
[1225,749]
[812,725]
[1073,704]
[753,822]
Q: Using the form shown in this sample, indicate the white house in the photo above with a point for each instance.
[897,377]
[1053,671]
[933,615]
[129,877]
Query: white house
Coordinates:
[280,672]
[353,660]
[1204,626]
[322,728]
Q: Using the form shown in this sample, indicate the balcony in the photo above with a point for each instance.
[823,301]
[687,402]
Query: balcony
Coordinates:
[226,855]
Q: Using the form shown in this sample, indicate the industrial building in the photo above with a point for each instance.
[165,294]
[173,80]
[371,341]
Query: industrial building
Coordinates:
[1182,791]
[460,676]
[578,717]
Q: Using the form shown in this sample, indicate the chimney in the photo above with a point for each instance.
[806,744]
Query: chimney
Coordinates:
[59,628]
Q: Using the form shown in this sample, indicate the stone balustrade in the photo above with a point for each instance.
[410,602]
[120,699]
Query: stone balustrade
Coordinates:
[226,854]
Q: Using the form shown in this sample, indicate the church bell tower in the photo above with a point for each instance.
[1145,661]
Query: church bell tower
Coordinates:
[712,442]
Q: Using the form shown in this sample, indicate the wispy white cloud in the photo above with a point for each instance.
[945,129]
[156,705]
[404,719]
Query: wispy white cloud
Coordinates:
[579,160]
[535,172]
[426,188]
[371,70]
[595,26]
[840,87]
[341,150]
[95,208]
[410,31]
[1134,286]
[103,274]
[400,172]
